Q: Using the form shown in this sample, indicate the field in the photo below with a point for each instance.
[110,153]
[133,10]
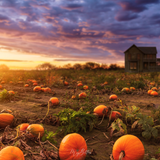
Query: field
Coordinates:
[140,112]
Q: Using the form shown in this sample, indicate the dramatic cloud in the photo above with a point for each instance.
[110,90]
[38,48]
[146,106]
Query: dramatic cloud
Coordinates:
[132,6]
[79,30]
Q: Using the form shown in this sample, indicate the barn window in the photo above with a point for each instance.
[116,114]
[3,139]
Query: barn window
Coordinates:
[133,65]
[138,56]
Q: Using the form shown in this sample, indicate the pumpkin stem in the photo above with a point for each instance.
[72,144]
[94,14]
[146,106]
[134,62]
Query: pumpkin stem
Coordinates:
[122,154]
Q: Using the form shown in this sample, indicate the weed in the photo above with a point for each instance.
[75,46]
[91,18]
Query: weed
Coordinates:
[75,121]
[4,95]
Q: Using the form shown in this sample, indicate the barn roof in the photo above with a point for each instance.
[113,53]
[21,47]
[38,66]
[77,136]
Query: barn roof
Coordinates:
[145,50]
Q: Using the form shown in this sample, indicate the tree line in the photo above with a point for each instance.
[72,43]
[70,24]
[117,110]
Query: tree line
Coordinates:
[78,66]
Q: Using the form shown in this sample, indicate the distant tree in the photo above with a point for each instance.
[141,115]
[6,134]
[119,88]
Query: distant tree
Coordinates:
[68,66]
[3,67]
[77,66]
[104,66]
[97,65]
[45,66]
[113,67]
[90,65]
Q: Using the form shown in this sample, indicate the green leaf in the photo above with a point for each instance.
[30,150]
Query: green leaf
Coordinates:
[135,109]
[114,126]
[154,132]
[146,134]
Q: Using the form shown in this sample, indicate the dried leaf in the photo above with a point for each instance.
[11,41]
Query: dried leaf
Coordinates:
[134,124]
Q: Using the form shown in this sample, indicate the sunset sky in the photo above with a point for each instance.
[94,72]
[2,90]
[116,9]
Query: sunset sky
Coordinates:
[75,31]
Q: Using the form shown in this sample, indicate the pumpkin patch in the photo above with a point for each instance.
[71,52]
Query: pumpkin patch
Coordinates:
[80,114]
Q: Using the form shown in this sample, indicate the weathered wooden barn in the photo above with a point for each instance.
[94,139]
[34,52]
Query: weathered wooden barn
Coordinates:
[141,59]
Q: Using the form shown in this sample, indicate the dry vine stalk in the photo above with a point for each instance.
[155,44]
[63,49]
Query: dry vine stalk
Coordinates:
[49,104]
[105,112]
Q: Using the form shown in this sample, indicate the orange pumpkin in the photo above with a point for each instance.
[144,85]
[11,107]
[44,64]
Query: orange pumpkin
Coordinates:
[79,84]
[35,84]
[114,115]
[113,97]
[100,109]
[54,101]
[154,93]
[82,95]
[33,130]
[26,85]
[132,88]
[37,88]
[105,83]
[47,90]
[73,97]
[11,153]
[73,146]
[11,92]
[5,119]
[152,83]
[149,91]
[1,87]
[130,145]
[126,90]
[11,82]
[2,82]
[42,89]
[85,87]
[23,126]
[33,81]
[66,83]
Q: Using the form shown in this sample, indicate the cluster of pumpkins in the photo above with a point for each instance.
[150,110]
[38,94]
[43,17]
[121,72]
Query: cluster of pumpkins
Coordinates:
[31,130]
[153,91]
[73,146]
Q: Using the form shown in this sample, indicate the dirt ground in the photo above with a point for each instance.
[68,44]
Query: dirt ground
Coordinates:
[29,104]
